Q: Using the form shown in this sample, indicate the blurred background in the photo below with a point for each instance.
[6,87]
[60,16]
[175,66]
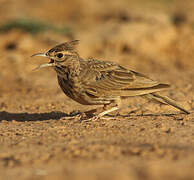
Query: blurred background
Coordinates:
[154,37]
[144,35]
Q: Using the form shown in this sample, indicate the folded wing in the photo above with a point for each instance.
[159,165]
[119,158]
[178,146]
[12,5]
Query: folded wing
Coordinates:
[110,79]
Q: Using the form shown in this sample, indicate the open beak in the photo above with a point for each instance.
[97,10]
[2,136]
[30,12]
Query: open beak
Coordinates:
[50,64]
[40,54]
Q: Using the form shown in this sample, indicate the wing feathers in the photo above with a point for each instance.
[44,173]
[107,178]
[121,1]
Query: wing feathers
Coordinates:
[115,80]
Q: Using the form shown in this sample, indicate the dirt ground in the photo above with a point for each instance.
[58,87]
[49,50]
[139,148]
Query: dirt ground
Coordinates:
[39,139]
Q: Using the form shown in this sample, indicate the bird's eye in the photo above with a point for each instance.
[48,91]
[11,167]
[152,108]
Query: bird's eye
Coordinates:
[59,55]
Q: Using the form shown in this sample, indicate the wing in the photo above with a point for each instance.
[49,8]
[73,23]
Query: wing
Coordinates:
[110,79]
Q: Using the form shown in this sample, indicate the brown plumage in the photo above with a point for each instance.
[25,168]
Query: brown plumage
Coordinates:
[95,82]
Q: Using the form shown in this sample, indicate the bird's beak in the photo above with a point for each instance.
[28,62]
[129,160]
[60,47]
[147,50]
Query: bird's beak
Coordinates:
[50,64]
[40,54]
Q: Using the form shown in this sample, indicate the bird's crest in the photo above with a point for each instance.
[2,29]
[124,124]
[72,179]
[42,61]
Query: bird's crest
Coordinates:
[67,46]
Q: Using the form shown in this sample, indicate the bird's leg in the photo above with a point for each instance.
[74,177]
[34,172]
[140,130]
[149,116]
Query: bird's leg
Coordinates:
[107,109]
[84,116]
[116,107]
[88,115]
[91,113]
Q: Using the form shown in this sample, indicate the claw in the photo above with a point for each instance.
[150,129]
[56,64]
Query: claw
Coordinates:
[94,118]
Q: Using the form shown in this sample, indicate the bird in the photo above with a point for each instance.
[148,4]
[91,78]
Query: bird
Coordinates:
[96,82]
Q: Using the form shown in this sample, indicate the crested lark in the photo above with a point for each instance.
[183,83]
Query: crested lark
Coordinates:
[95,82]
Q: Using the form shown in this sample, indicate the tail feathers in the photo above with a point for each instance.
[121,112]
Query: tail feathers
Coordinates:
[166,100]
[158,87]
[142,91]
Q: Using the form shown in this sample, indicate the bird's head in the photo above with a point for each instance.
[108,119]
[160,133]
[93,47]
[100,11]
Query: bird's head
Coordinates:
[59,54]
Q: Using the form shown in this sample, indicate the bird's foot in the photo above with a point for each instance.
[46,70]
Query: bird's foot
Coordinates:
[90,115]
[74,115]
[96,117]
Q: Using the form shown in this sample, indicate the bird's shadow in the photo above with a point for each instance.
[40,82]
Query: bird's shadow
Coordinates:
[21,117]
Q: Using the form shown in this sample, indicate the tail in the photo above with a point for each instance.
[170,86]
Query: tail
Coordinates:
[142,91]
[166,100]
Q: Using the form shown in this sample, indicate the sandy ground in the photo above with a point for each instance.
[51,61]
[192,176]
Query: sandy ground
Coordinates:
[39,139]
